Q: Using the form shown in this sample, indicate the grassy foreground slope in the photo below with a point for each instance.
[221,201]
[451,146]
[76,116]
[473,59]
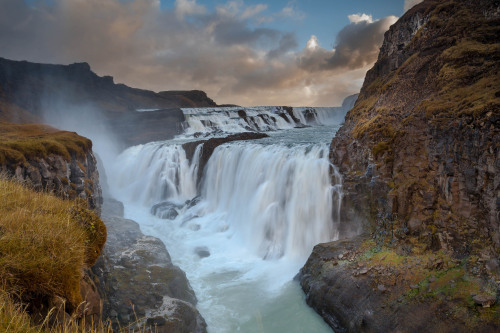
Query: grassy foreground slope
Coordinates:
[45,242]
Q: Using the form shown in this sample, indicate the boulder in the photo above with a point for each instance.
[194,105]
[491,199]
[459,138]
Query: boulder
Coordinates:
[136,276]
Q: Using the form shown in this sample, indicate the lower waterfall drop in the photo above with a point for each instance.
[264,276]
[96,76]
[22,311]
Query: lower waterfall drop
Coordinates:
[279,199]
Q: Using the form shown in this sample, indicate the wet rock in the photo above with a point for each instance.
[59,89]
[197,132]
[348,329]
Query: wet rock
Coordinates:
[484,300]
[210,145]
[136,274]
[165,210]
[176,316]
[202,251]
[193,202]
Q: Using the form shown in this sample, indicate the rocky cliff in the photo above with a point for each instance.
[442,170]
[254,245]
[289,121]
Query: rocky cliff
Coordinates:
[48,159]
[426,128]
[420,153]
[62,94]
[62,163]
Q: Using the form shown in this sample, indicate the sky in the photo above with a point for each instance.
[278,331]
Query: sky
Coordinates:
[245,52]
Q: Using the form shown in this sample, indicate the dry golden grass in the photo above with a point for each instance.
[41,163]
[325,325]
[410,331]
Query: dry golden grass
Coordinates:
[44,243]
[15,319]
[21,142]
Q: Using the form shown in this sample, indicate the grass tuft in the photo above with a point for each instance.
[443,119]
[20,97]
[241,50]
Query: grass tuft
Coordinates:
[44,243]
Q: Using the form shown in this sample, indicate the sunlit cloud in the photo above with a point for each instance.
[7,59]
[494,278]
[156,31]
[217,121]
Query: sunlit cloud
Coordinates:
[221,51]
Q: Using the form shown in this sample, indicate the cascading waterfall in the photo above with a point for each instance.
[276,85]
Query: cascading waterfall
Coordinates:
[155,172]
[258,119]
[279,199]
[260,208]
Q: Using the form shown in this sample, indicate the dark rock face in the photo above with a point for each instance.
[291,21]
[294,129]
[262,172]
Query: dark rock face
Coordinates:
[32,92]
[76,178]
[353,294]
[165,210]
[210,145]
[421,142]
[420,155]
[137,277]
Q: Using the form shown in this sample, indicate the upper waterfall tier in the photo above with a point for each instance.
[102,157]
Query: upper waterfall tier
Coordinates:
[205,121]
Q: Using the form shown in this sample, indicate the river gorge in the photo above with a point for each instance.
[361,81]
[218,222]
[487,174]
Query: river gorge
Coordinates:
[245,228]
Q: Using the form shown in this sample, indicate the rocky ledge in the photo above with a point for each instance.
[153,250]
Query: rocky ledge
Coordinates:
[141,287]
[76,178]
[210,145]
[357,287]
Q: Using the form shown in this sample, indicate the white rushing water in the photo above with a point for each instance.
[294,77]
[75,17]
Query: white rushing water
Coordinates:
[203,121]
[262,206]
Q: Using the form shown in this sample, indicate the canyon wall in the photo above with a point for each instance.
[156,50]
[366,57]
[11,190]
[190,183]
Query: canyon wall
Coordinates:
[420,156]
[421,146]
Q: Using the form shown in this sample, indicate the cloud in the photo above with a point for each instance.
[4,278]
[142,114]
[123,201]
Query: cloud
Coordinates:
[357,45]
[188,8]
[410,3]
[291,11]
[220,51]
[357,18]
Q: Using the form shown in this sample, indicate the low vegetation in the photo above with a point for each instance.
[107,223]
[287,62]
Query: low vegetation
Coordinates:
[45,242]
[424,277]
[22,142]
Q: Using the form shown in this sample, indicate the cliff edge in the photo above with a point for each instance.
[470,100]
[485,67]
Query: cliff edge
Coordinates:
[420,153]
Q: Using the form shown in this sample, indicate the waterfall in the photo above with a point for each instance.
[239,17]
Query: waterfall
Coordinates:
[278,200]
[204,121]
[156,172]
[257,211]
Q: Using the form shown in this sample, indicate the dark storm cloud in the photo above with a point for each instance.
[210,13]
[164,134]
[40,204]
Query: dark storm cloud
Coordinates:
[190,47]
[357,45]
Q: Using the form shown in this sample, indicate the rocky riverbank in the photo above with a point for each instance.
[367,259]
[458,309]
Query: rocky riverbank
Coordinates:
[140,285]
[357,287]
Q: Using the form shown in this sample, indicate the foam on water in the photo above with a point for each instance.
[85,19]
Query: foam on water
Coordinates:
[263,207]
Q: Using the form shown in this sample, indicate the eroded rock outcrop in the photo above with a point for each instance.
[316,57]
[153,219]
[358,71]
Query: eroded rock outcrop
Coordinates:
[76,178]
[139,281]
[420,155]
[422,142]
[358,290]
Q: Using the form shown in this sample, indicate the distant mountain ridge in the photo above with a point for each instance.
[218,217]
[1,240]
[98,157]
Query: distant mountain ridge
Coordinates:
[33,92]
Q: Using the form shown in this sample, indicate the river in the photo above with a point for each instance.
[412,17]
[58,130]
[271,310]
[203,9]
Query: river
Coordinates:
[258,210]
